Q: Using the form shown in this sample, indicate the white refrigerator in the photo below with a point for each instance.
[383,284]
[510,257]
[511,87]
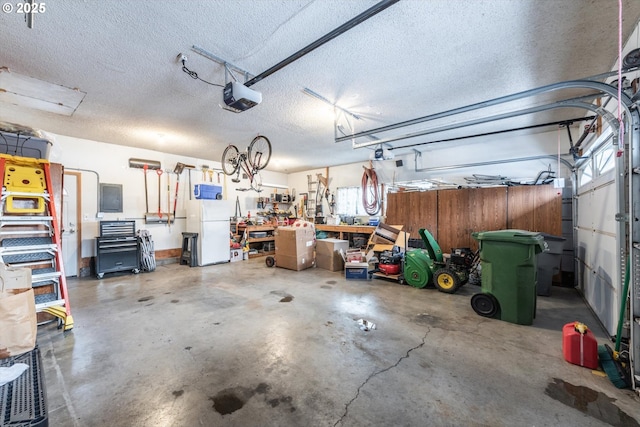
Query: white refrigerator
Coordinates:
[210,219]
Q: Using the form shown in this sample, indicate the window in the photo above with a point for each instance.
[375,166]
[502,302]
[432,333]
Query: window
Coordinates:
[586,174]
[349,201]
[604,160]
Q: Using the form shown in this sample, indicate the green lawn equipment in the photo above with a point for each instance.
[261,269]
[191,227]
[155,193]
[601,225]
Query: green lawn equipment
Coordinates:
[428,266]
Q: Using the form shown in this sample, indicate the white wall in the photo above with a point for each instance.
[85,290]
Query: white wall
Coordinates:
[111,163]
[504,147]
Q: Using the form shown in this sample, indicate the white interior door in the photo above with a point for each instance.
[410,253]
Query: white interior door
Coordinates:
[70,224]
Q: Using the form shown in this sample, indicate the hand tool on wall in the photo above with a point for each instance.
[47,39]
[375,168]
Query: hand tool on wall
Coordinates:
[169,198]
[159,172]
[178,171]
[146,165]
[238,211]
[146,191]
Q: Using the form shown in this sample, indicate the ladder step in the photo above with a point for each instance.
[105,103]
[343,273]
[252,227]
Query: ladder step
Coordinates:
[25,232]
[44,276]
[42,284]
[6,193]
[26,241]
[47,300]
[26,255]
[26,218]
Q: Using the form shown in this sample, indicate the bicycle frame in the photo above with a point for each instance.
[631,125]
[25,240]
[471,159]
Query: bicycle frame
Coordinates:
[243,164]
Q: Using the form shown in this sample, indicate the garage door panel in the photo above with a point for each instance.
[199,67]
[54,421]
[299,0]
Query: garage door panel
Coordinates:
[597,264]
[603,209]
[585,215]
[602,298]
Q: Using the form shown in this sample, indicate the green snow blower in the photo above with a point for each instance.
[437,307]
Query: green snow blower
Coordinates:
[428,266]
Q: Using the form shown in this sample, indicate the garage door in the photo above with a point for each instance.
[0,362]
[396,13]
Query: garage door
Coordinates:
[597,249]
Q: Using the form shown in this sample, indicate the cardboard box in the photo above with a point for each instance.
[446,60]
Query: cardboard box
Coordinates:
[328,253]
[354,255]
[236,255]
[356,270]
[295,247]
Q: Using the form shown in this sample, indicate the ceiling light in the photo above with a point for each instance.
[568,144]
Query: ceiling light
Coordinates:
[29,92]
[325,100]
[281,186]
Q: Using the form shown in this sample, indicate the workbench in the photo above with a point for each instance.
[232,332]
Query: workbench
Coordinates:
[346,229]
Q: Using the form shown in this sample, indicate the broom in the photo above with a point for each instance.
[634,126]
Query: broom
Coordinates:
[609,358]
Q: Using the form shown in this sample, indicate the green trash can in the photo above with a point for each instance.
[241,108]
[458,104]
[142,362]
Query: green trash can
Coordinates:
[509,275]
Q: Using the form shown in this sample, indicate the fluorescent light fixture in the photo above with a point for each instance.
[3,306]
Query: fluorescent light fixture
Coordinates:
[281,186]
[28,92]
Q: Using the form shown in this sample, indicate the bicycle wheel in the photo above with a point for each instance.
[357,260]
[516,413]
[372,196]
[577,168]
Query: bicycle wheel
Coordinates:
[259,152]
[230,160]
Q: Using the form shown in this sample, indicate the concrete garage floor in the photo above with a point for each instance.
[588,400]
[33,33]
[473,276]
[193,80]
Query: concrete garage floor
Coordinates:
[241,344]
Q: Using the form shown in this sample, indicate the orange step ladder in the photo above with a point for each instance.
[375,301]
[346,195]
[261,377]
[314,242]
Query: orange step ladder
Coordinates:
[30,232]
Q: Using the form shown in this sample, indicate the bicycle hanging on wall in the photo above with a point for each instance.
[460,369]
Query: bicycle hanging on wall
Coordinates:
[251,162]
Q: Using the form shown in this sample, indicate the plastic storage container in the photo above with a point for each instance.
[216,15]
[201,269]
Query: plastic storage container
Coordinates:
[509,274]
[205,191]
[23,401]
[356,270]
[549,263]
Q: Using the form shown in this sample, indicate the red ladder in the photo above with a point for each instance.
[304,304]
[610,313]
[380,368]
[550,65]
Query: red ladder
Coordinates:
[30,232]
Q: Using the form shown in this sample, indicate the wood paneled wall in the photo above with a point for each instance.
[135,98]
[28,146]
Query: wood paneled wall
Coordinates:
[452,215]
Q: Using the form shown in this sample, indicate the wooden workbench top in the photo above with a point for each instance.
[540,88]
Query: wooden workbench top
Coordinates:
[368,229]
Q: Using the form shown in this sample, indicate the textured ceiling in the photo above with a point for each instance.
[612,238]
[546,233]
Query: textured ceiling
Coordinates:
[412,59]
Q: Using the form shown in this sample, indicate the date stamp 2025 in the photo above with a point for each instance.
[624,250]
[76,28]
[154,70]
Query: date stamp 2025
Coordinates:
[24,7]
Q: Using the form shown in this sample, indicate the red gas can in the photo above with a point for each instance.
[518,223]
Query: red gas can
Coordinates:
[579,345]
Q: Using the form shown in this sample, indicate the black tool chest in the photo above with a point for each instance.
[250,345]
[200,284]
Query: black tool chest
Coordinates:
[117,248]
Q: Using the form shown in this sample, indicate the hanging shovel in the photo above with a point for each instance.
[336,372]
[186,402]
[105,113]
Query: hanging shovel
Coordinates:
[146,191]
[159,172]
[178,171]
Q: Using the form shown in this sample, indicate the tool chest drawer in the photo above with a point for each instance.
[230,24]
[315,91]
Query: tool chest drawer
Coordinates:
[117,228]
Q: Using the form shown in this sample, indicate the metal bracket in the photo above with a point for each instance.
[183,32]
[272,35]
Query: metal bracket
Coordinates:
[622,217]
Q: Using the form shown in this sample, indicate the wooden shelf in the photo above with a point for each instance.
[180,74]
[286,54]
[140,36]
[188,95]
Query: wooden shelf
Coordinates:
[343,230]
[259,254]
[257,242]
[260,239]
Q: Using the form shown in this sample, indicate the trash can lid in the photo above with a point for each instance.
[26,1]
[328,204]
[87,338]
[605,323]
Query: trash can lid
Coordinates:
[515,236]
[553,238]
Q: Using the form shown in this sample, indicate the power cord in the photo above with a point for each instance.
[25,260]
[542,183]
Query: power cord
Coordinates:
[194,75]
[371,189]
